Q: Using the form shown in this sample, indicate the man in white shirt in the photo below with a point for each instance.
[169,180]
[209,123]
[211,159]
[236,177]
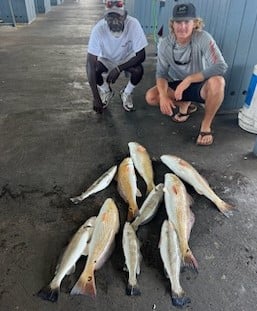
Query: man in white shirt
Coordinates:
[117,43]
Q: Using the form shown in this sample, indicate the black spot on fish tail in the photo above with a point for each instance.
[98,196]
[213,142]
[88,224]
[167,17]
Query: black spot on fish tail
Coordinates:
[132,290]
[180,301]
[47,293]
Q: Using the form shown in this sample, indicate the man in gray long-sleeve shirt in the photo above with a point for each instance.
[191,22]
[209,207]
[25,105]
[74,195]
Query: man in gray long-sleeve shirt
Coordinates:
[190,67]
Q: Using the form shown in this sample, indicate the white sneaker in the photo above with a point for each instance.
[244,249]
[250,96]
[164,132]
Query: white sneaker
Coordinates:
[127,101]
[106,97]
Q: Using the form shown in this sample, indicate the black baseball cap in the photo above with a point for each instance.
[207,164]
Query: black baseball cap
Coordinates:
[183,12]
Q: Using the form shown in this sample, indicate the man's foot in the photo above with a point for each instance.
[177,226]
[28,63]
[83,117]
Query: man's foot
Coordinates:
[127,102]
[205,139]
[183,117]
[106,97]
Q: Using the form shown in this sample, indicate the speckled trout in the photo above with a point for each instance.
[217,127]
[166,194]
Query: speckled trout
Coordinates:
[131,250]
[127,186]
[100,247]
[189,174]
[101,183]
[171,257]
[149,207]
[78,246]
[177,203]
[143,164]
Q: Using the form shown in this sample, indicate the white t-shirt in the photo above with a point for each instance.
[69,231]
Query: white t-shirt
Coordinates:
[102,42]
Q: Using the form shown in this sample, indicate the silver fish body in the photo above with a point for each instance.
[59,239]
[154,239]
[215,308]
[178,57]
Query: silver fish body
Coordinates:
[131,250]
[101,183]
[78,246]
[177,204]
[171,257]
[100,247]
[189,174]
[149,207]
[143,164]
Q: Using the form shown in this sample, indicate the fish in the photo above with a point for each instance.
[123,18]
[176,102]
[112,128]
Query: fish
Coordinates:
[127,186]
[101,183]
[171,257]
[149,207]
[78,246]
[142,163]
[177,204]
[189,174]
[100,247]
[131,250]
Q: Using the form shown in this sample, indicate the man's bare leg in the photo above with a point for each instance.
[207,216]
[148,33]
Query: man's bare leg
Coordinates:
[213,93]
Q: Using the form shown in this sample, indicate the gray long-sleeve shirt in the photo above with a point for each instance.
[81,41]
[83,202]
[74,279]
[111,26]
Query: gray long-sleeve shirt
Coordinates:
[201,54]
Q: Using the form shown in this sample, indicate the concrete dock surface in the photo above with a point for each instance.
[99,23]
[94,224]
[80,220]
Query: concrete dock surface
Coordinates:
[54,146]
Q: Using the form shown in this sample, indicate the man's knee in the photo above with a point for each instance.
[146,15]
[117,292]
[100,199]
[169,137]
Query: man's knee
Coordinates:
[150,98]
[137,71]
[216,85]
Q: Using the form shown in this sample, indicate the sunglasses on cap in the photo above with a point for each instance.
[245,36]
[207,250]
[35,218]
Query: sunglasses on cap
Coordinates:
[110,4]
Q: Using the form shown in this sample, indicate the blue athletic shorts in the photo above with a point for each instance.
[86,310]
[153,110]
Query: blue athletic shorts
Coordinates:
[192,93]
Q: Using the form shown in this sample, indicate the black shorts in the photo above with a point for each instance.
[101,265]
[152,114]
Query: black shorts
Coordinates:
[192,93]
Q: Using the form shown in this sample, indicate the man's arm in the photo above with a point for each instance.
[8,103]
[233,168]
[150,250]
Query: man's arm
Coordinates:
[91,74]
[183,85]
[136,60]
[166,103]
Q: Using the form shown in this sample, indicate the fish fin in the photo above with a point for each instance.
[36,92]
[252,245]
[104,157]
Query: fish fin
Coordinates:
[125,268]
[190,199]
[86,250]
[132,290]
[138,194]
[190,260]
[76,200]
[71,270]
[48,293]
[225,208]
[134,225]
[138,266]
[85,287]
[179,300]
[166,274]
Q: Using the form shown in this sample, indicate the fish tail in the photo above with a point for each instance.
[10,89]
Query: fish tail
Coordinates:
[190,260]
[48,293]
[85,286]
[133,290]
[180,300]
[225,208]
[132,212]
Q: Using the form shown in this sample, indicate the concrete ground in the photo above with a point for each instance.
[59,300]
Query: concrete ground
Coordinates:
[53,146]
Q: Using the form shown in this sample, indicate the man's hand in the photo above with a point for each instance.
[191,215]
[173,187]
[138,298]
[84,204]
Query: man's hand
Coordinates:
[183,85]
[97,106]
[113,75]
[166,105]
